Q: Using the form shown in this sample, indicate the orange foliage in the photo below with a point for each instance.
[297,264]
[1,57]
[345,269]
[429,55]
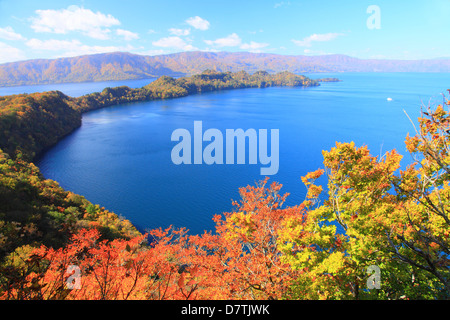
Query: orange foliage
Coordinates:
[240,261]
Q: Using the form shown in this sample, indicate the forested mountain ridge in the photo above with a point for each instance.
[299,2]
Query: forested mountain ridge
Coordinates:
[100,67]
[124,66]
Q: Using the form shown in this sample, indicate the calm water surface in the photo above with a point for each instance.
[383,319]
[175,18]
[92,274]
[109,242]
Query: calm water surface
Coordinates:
[121,156]
[74,89]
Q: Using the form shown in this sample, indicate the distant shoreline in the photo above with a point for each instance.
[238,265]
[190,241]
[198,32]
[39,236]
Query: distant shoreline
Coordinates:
[328,80]
[122,66]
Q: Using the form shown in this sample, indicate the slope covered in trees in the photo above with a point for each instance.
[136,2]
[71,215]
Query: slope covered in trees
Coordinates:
[36,121]
[36,211]
[166,87]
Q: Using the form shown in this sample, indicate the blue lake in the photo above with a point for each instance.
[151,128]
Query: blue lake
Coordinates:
[74,89]
[121,156]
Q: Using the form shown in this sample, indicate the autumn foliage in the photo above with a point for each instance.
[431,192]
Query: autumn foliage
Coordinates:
[240,261]
[370,213]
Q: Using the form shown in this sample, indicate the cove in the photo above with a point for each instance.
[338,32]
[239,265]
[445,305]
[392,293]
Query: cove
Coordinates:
[120,157]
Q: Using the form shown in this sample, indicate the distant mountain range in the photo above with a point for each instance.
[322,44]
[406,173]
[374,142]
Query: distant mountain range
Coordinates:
[125,66]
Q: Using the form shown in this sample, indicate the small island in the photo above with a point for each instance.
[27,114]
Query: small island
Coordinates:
[328,80]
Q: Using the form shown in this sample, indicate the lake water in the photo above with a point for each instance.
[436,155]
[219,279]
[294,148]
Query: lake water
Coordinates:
[74,89]
[121,156]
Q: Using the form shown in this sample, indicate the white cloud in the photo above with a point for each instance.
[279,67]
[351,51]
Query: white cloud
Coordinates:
[253,46]
[209,50]
[127,35]
[151,31]
[71,48]
[198,23]
[180,32]
[173,42]
[233,40]
[152,52]
[307,42]
[74,18]
[10,54]
[53,44]
[255,32]
[314,52]
[281,4]
[9,34]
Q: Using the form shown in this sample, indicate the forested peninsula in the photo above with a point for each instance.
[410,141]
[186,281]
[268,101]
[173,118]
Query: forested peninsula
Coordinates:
[33,122]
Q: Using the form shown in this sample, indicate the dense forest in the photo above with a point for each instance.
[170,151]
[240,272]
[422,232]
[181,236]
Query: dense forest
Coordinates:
[376,232]
[34,210]
[33,122]
[167,87]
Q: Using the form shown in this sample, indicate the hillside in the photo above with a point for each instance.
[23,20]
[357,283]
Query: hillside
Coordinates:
[102,67]
[124,66]
[35,121]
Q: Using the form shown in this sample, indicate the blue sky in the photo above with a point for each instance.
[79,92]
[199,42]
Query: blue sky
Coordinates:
[395,29]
